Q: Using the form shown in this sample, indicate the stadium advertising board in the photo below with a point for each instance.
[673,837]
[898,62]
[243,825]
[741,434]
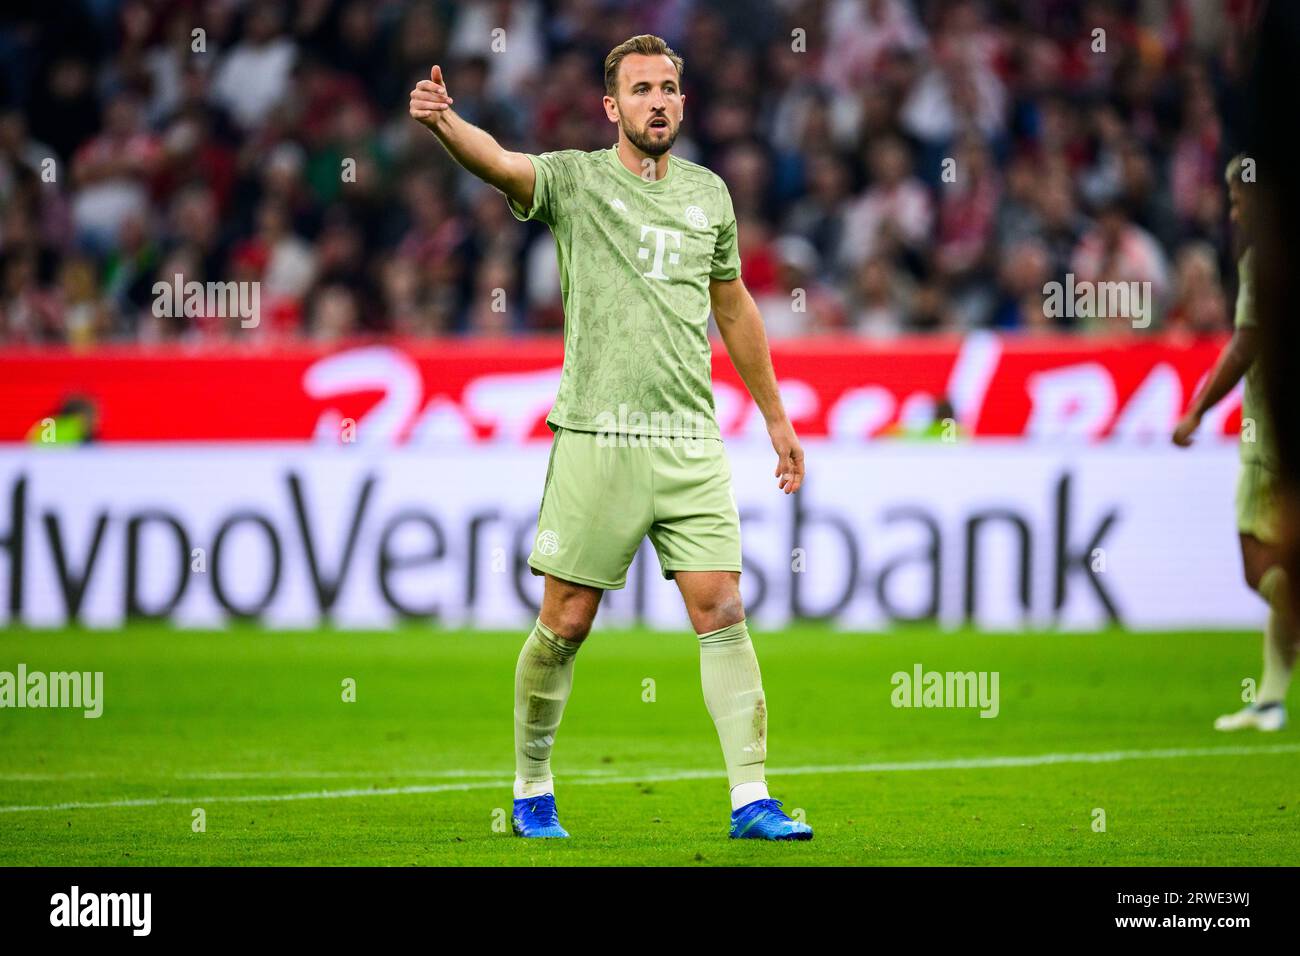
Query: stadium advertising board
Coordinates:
[1033,534]
[466,392]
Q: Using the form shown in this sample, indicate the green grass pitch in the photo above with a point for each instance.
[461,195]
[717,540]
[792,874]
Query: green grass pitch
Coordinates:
[417,769]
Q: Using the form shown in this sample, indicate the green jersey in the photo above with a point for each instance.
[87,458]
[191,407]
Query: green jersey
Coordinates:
[1256,426]
[636,257]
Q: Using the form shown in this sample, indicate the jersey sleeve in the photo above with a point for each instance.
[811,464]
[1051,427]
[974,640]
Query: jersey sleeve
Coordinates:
[726,254]
[555,184]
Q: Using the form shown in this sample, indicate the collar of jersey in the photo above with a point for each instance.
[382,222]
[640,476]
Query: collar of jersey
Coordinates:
[645,183]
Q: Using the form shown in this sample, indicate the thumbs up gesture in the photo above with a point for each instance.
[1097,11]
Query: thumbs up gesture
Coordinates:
[430,103]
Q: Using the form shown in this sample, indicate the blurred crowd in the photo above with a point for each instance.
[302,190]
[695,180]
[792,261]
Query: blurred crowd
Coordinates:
[896,166]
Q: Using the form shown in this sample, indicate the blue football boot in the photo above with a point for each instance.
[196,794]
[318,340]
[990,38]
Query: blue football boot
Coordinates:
[536,817]
[763,820]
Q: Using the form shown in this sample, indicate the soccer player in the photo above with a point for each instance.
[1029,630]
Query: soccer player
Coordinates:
[1257,485]
[647,246]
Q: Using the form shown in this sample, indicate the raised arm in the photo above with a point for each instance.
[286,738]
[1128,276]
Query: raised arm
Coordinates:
[741,326]
[473,148]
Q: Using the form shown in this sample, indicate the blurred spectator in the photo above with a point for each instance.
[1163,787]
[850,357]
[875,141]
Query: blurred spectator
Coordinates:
[1200,306]
[799,304]
[333,314]
[965,228]
[1063,225]
[931,312]
[491,313]
[32,314]
[489,28]
[283,262]
[881,299]
[895,213]
[819,216]
[253,78]
[859,35]
[75,422]
[960,88]
[1026,268]
[112,173]
[1117,250]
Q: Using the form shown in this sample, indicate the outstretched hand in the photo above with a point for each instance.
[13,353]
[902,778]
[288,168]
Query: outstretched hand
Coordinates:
[430,103]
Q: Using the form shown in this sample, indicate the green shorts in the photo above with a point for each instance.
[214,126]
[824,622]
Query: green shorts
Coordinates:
[604,493]
[1257,504]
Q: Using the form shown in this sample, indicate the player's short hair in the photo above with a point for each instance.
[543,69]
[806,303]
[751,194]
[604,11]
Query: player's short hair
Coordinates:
[646,43]
[1232,172]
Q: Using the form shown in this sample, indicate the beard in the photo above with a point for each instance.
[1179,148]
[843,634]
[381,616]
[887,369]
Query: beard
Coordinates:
[644,141]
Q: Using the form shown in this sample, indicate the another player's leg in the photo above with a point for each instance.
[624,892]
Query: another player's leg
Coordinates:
[733,694]
[543,679]
[1266,575]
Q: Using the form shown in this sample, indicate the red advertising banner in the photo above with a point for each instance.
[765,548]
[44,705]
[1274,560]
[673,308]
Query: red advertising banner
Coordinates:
[500,391]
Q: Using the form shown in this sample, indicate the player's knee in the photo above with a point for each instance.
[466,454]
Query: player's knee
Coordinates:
[1253,575]
[571,622]
[718,610]
[1256,559]
[1253,568]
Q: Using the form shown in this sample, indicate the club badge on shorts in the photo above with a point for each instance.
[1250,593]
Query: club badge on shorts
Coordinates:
[548,542]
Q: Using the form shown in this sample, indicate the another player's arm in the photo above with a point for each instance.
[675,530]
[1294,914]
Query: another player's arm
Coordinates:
[741,326]
[1233,363]
[473,148]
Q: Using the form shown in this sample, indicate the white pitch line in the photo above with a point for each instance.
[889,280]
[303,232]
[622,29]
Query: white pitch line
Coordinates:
[357,774]
[671,776]
[24,777]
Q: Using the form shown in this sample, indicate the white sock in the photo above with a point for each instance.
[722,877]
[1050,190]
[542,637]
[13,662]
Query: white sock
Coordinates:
[743,794]
[533,788]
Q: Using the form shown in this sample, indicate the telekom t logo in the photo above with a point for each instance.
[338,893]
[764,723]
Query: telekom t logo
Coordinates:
[657,270]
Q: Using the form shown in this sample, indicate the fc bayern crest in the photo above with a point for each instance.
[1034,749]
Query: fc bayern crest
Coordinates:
[548,542]
[695,218]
